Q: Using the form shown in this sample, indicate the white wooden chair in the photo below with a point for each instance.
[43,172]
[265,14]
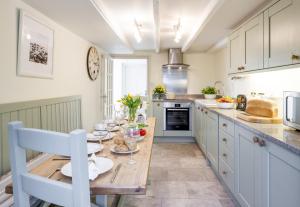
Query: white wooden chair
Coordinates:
[76,194]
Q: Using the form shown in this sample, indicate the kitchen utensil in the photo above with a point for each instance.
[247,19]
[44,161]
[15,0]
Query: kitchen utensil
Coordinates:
[258,119]
[116,172]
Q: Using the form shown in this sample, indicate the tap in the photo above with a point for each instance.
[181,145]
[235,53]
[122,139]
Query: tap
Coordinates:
[220,89]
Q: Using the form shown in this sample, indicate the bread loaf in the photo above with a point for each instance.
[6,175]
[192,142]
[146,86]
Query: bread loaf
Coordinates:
[260,107]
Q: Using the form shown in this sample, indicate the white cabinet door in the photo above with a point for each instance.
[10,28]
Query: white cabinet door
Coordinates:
[281,33]
[252,44]
[247,168]
[234,49]
[158,113]
[212,139]
[281,177]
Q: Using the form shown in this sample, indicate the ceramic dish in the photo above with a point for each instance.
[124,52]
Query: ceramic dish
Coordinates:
[102,163]
[112,149]
[94,148]
[225,105]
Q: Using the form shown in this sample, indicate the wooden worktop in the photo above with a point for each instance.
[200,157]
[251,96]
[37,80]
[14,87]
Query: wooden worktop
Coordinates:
[131,179]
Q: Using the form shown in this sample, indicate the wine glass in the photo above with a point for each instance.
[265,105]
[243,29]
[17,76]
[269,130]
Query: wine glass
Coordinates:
[132,145]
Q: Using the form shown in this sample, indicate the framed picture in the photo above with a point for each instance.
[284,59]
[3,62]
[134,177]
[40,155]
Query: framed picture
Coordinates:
[35,48]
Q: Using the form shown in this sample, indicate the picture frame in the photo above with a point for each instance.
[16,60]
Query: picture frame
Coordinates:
[35,47]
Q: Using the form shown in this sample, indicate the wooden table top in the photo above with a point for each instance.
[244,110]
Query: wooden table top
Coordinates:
[131,179]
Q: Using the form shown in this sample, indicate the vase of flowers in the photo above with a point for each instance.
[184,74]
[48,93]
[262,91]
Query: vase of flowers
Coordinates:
[159,92]
[132,103]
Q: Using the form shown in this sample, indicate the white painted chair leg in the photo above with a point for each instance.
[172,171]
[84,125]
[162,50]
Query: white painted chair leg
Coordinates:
[101,200]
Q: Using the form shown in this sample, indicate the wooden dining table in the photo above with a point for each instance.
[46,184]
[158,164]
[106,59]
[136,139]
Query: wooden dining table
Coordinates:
[131,179]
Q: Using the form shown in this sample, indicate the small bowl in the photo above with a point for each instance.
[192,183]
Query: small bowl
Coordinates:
[100,127]
[210,96]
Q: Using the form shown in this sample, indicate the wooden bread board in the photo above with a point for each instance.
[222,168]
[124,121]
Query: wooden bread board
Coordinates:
[259,119]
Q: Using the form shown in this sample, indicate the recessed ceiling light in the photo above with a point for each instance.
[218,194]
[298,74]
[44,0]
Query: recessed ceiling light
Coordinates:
[178,32]
[137,32]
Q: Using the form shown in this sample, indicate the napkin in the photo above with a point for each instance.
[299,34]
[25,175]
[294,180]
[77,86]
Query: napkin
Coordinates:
[93,169]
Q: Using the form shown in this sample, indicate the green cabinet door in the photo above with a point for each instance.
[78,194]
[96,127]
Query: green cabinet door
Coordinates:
[212,140]
[247,168]
[158,113]
[280,177]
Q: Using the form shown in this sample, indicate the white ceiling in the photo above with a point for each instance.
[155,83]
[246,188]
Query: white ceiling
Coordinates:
[110,23]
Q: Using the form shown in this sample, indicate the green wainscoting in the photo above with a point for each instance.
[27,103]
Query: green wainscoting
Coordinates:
[56,114]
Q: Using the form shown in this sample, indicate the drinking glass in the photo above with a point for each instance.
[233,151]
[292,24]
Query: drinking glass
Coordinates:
[132,145]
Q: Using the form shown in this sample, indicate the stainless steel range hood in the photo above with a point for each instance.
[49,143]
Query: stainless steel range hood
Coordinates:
[175,60]
[175,73]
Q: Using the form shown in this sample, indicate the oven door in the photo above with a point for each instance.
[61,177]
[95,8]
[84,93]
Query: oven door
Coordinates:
[177,119]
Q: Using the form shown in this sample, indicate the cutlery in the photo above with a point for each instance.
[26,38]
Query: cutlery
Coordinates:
[56,170]
[116,172]
[57,159]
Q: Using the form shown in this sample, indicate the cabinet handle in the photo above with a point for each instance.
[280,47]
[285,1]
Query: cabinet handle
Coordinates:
[224,172]
[224,125]
[295,57]
[262,143]
[224,140]
[158,104]
[255,139]
[241,68]
[202,110]
[224,155]
[198,107]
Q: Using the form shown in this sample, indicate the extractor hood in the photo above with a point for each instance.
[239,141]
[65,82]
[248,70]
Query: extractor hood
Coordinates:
[175,60]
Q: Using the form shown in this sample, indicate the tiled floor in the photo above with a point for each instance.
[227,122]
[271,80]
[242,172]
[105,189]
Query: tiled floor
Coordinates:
[180,177]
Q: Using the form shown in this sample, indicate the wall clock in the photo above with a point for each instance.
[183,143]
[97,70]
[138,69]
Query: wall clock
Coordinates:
[93,63]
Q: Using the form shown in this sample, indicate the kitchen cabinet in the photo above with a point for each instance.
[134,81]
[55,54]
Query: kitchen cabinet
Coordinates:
[197,124]
[281,29]
[266,175]
[247,168]
[234,51]
[212,139]
[203,130]
[280,177]
[246,49]
[158,113]
[252,44]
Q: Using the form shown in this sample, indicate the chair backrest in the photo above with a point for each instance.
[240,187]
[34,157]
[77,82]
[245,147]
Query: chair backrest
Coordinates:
[76,194]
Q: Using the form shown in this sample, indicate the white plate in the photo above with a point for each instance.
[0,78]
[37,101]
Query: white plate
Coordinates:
[128,152]
[225,105]
[91,137]
[94,147]
[108,137]
[113,129]
[102,163]
[100,133]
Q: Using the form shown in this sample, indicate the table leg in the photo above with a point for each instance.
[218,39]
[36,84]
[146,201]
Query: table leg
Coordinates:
[101,200]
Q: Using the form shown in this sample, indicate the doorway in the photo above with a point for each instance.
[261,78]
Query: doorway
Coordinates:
[130,76]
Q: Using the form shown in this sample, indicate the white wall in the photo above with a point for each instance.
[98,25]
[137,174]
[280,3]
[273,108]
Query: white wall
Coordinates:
[69,62]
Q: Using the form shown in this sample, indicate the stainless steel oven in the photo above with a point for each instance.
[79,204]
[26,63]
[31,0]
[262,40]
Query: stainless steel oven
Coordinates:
[291,109]
[177,116]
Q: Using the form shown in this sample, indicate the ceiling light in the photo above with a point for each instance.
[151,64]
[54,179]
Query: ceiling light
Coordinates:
[178,32]
[137,32]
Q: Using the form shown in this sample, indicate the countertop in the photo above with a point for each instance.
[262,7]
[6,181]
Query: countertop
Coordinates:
[280,134]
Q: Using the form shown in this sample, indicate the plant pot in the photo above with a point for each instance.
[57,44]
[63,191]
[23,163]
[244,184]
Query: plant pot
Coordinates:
[210,96]
[158,96]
